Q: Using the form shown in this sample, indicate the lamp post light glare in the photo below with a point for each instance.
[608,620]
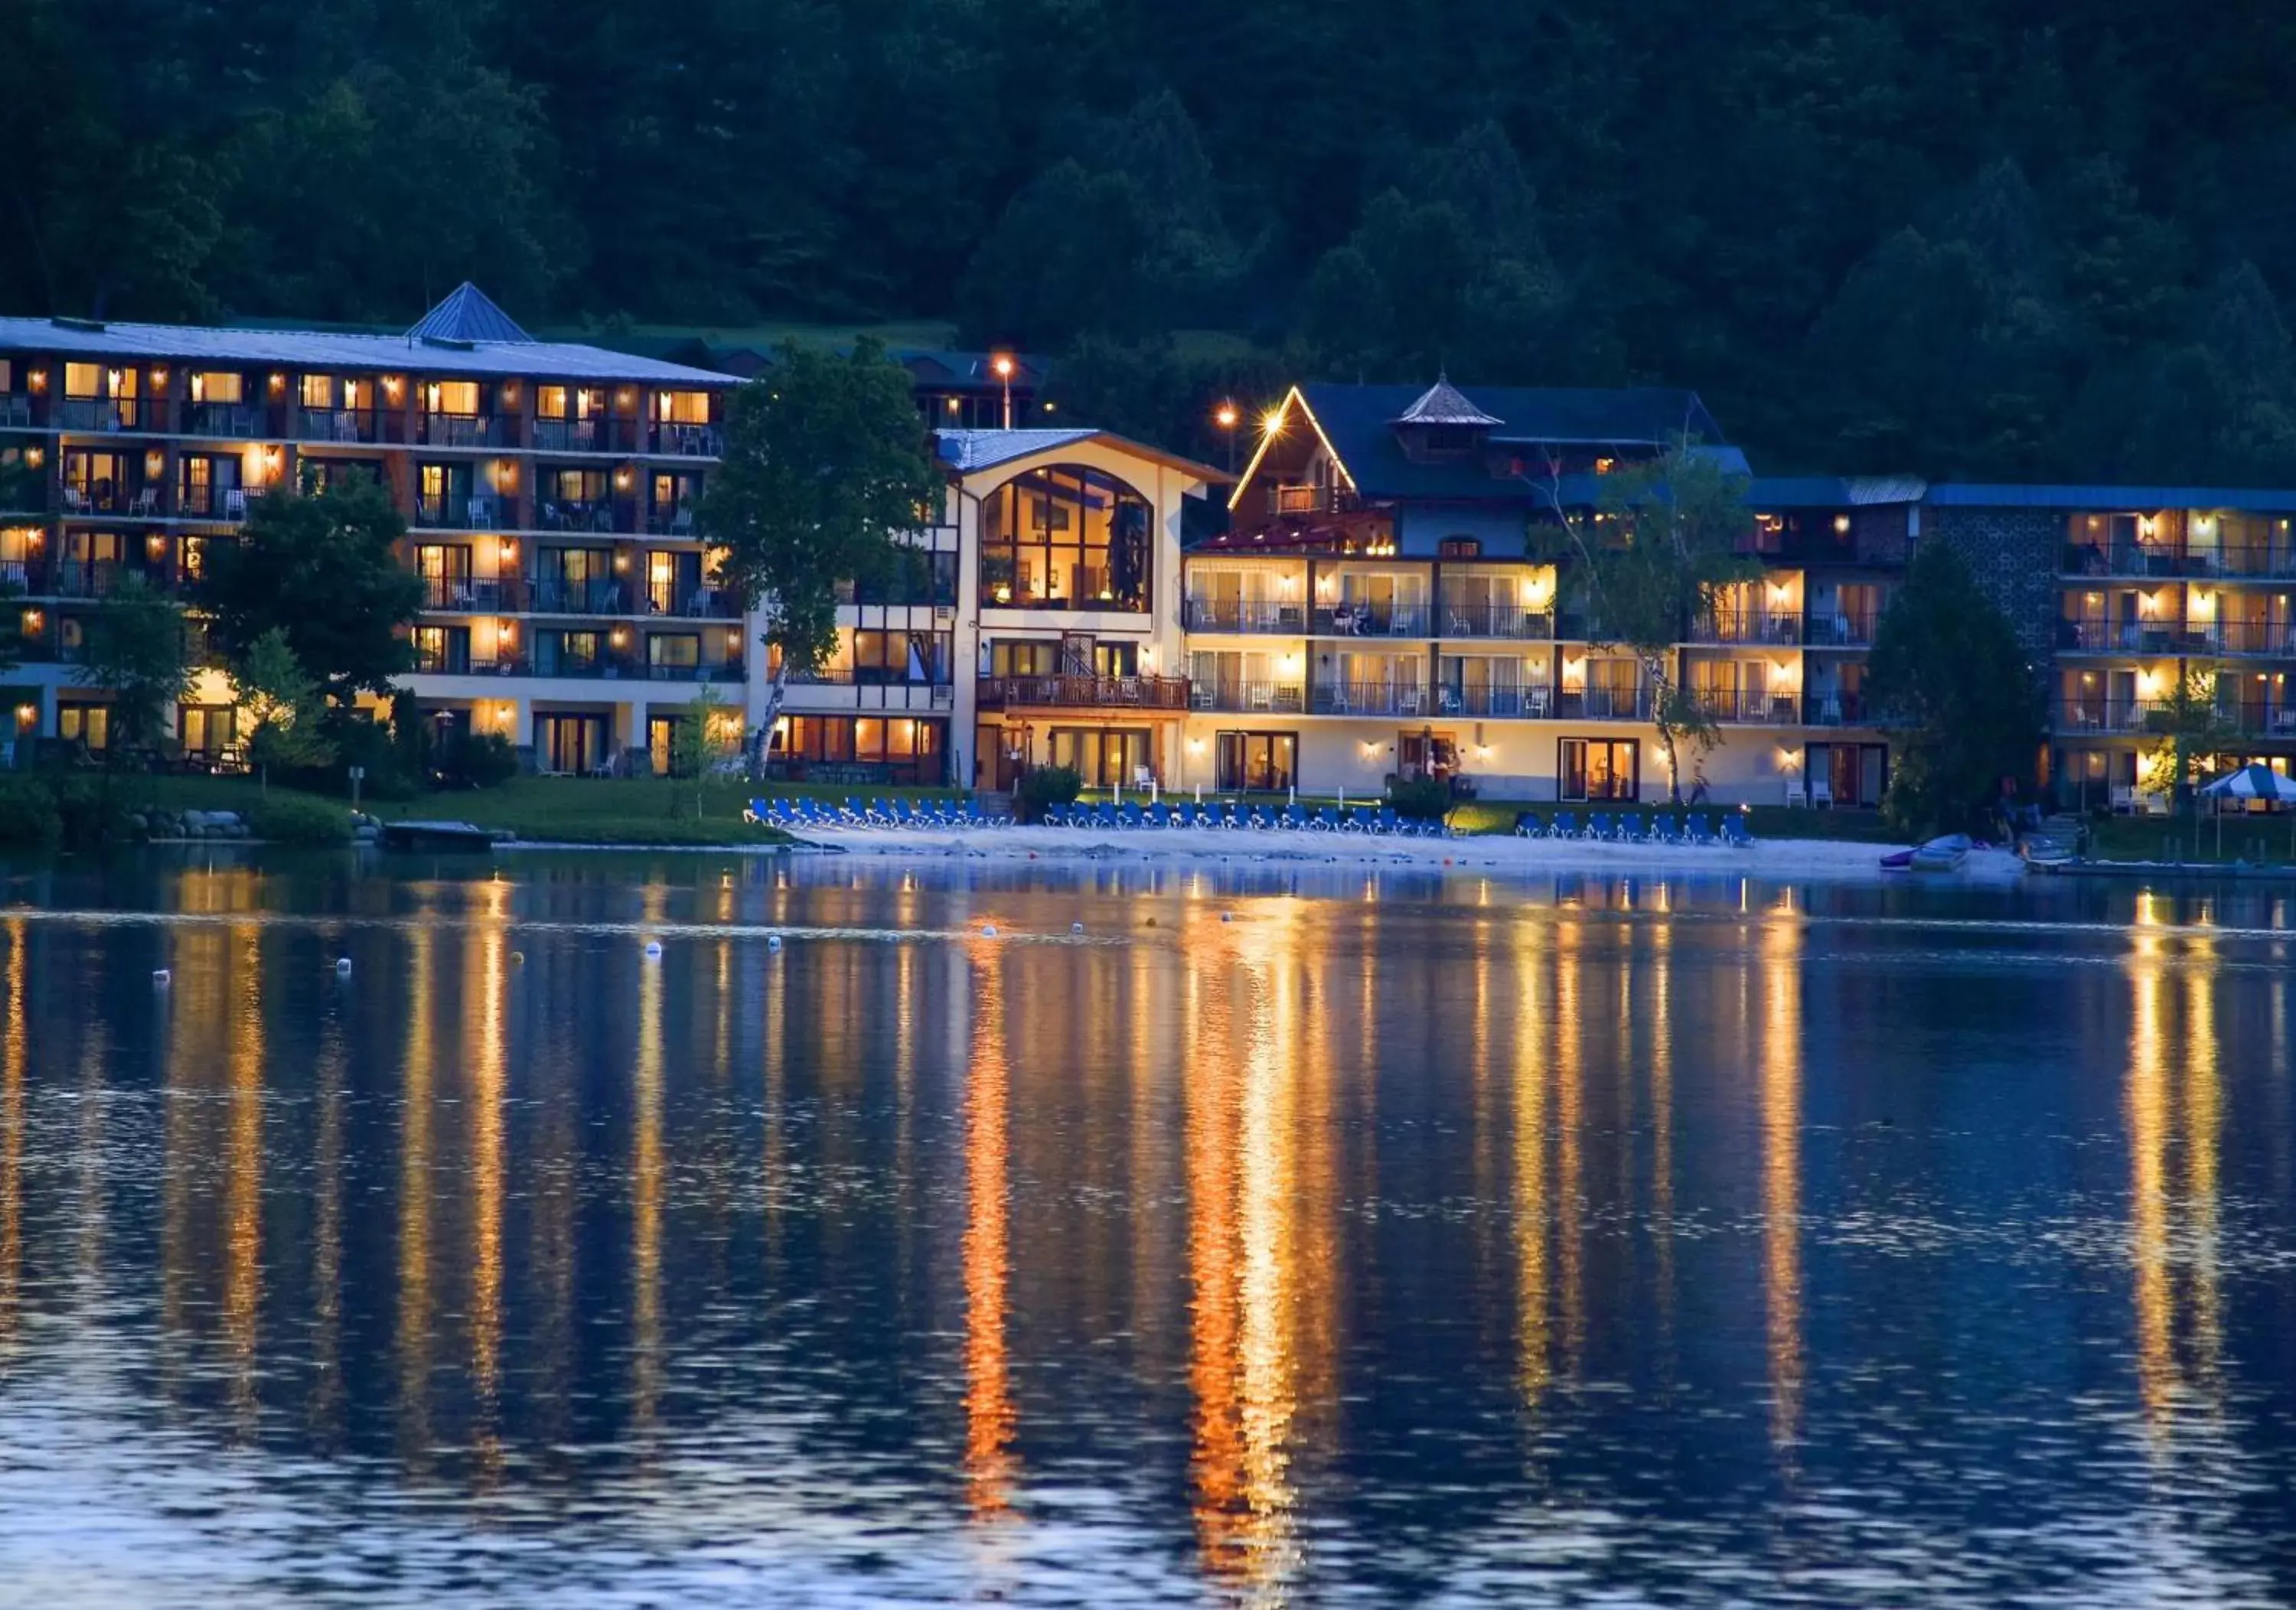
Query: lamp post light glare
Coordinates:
[1225,417]
[1001,364]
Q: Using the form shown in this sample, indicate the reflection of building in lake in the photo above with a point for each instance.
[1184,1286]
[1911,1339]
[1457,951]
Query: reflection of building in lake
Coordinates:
[1263,1248]
[991,1417]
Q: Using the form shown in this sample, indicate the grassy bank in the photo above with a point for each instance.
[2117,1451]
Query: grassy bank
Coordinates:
[2251,839]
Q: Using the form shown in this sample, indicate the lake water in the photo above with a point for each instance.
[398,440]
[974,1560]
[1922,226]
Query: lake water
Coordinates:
[1283,1237]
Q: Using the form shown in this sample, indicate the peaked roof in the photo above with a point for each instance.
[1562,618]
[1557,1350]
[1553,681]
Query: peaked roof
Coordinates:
[967,450]
[467,313]
[1358,422]
[1444,403]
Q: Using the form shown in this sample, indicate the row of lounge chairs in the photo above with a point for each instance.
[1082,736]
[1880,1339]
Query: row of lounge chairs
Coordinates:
[1630,827]
[942,814]
[1245,818]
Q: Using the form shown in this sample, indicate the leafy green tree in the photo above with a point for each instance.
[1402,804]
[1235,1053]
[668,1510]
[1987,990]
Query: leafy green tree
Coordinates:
[1666,538]
[706,732]
[134,649]
[283,707]
[2190,732]
[824,460]
[1947,668]
[322,569]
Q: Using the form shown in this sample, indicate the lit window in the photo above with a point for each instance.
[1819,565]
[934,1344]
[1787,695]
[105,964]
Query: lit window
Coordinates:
[217,386]
[454,396]
[686,407]
[318,392]
[83,380]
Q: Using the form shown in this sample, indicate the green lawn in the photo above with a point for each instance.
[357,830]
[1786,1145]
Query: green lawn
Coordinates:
[2249,838]
[563,809]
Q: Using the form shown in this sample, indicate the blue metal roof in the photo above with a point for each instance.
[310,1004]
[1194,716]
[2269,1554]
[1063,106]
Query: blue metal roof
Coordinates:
[2008,495]
[467,313]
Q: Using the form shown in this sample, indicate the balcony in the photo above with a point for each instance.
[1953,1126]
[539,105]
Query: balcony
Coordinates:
[723,671]
[581,598]
[2266,638]
[1369,620]
[2150,637]
[1839,629]
[1509,621]
[1603,704]
[1748,706]
[16,413]
[211,503]
[110,497]
[1312,499]
[601,514]
[1535,702]
[1838,707]
[474,594]
[2252,718]
[447,510]
[1244,616]
[870,687]
[691,602]
[675,519]
[1084,692]
[337,425]
[463,430]
[1368,699]
[96,413]
[1251,698]
[688,441]
[566,435]
[607,667]
[1748,626]
[2151,561]
[237,420]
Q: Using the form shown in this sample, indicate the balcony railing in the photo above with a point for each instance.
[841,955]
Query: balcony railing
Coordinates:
[474,594]
[96,413]
[1838,707]
[1346,619]
[463,430]
[1085,692]
[691,601]
[1603,704]
[1494,620]
[675,519]
[1841,629]
[2255,718]
[15,411]
[688,441]
[581,598]
[566,435]
[1239,615]
[608,667]
[1747,626]
[591,514]
[1369,698]
[1311,500]
[1535,702]
[211,503]
[337,425]
[1269,698]
[2152,560]
[1748,706]
[705,671]
[219,419]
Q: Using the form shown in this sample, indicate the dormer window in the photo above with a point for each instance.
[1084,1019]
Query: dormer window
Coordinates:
[1442,423]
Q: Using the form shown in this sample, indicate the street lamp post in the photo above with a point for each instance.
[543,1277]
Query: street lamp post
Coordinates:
[1225,418]
[1003,364]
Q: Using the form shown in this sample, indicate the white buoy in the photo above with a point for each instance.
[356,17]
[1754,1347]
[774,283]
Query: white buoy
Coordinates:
[1076,927]
[161,975]
[343,965]
[654,948]
[988,930]
[772,941]
[518,958]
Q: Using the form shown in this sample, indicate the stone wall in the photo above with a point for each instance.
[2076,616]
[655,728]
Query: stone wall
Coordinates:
[2014,554]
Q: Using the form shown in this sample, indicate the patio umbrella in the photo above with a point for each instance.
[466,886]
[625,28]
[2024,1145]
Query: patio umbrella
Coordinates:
[2254,781]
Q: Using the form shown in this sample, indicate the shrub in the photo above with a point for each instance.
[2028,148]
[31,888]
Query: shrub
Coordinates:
[1048,785]
[474,760]
[91,816]
[294,819]
[1421,798]
[29,818]
[358,740]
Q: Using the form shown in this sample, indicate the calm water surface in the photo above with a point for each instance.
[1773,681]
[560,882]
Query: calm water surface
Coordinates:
[1284,1237]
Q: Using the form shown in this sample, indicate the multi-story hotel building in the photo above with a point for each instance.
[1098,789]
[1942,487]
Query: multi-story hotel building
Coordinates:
[549,490]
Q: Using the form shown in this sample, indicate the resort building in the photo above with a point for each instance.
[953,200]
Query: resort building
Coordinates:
[549,490]
[1038,624]
[1380,606]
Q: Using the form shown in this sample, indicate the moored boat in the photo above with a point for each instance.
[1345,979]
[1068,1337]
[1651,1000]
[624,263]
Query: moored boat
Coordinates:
[1944,854]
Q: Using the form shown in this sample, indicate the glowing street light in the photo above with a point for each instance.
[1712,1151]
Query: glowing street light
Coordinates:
[1001,364]
[1225,417]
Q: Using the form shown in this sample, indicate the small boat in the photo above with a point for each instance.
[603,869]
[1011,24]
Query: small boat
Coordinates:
[1941,855]
[433,836]
[1896,861]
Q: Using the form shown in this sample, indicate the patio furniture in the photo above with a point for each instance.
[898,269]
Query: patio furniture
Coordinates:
[1598,824]
[1527,825]
[1565,825]
[1735,833]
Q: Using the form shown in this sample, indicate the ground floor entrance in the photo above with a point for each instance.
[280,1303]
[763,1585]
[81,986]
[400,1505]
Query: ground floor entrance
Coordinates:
[1852,774]
[572,745]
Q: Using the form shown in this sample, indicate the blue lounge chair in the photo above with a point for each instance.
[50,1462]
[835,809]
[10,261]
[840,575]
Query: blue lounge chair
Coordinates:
[1103,815]
[1629,829]
[1294,819]
[1598,824]
[1527,825]
[1056,816]
[1362,819]
[1695,831]
[1263,818]
[1327,819]
[1389,822]
[1665,830]
[1127,815]
[1736,834]
[1565,825]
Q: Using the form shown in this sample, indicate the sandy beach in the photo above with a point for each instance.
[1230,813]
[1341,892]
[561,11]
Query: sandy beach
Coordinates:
[1788,858]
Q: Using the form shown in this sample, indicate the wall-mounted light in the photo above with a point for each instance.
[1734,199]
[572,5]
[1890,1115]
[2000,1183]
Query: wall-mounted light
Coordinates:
[1841,524]
[34,620]
[34,457]
[155,545]
[506,549]
[158,376]
[622,479]
[504,631]
[154,461]
[621,636]
[621,561]
[1195,746]
[278,383]
[39,380]
[27,716]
